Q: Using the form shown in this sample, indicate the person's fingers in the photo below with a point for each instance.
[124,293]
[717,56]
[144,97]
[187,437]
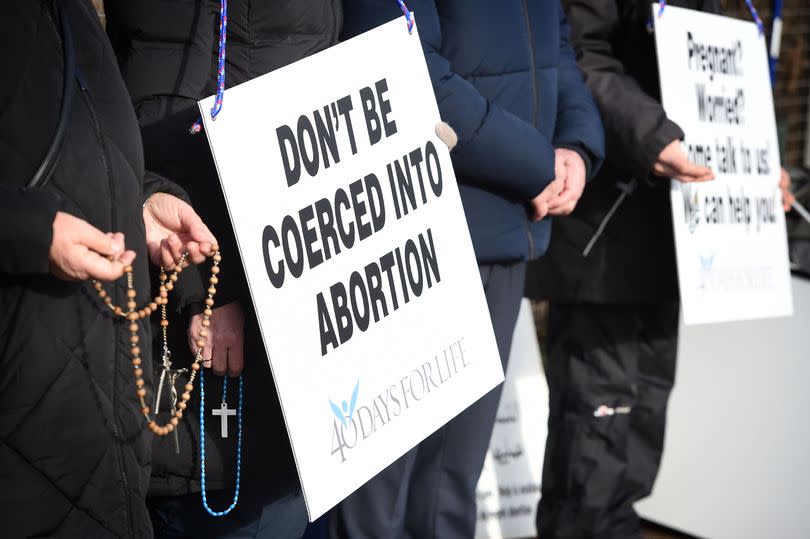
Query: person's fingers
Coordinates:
[784,179]
[206,244]
[98,241]
[118,241]
[176,248]
[694,179]
[558,186]
[558,194]
[447,135]
[563,199]
[540,210]
[219,361]
[165,256]
[193,332]
[559,170]
[236,358]
[685,172]
[210,349]
[684,167]
[100,268]
[127,258]
[194,254]
[662,169]
[787,200]
[570,207]
[193,226]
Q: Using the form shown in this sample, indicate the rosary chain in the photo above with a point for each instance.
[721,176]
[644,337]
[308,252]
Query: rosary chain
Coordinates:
[133,314]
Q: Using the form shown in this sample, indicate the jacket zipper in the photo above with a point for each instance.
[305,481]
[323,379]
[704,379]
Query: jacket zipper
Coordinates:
[113,221]
[337,11]
[532,246]
[532,60]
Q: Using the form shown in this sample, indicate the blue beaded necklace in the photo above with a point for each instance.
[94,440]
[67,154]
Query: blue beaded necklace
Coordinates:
[238,444]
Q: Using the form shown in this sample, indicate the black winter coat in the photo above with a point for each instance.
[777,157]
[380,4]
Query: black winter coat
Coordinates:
[634,261]
[167,52]
[74,454]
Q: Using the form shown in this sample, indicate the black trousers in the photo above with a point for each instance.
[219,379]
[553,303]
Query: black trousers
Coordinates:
[610,370]
[430,491]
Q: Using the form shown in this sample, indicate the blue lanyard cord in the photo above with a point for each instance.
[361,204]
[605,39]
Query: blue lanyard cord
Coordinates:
[755,16]
[223,38]
[751,9]
[223,32]
[407,13]
[238,445]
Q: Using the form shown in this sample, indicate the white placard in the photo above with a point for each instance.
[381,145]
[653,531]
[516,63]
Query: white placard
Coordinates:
[395,264]
[509,488]
[730,233]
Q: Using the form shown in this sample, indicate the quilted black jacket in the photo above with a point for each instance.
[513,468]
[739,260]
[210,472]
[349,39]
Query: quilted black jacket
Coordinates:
[74,454]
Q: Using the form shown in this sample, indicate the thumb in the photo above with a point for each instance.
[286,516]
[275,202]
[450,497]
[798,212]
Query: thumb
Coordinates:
[688,170]
[560,171]
[96,240]
[193,226]
[447,134]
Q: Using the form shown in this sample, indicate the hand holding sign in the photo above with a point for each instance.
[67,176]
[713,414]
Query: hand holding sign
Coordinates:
[673,163]
[784,185]
[729,235]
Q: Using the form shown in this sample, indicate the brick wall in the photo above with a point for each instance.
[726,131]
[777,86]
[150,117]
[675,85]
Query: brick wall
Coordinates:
[792,74]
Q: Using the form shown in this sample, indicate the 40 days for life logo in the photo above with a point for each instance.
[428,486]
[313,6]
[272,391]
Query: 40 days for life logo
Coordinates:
[349,428]
[352,423]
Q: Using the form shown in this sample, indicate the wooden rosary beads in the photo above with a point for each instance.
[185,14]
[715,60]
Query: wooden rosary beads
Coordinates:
[133,314]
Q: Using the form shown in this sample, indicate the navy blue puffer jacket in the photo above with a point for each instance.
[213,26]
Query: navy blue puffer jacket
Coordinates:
[506,80]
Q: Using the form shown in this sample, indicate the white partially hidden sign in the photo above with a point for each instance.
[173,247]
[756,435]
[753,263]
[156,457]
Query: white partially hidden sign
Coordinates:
[509,488]
[729,233]
[357,253]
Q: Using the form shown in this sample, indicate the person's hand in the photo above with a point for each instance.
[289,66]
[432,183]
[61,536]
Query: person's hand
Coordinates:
[539,204]
[566,201]
[784,185]
[172,228]
[673,163]
[79,251]
[447,134]
[223,339]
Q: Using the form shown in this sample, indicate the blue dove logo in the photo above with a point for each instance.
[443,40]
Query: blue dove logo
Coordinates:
[691,206]
[706,266]
[706,262]
[345,411]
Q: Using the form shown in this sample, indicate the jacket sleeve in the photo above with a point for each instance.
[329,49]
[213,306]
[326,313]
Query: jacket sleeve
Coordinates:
[26,229]
[579,126]
[496,150]
[636,126]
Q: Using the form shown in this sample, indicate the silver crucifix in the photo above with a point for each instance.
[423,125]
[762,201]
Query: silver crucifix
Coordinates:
[169,376]
[224,412]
